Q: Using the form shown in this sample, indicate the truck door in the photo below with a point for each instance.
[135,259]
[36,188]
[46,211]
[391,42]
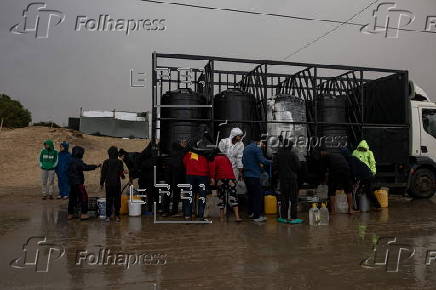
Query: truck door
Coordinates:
[428,132]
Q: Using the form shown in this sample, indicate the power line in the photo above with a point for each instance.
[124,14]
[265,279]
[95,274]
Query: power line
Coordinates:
[254,12]
[307,45]
[340,22]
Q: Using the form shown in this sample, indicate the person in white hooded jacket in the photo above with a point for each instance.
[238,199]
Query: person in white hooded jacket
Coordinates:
[233,147]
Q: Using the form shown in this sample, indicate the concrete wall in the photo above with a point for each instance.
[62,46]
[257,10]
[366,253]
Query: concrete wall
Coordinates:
[114,127]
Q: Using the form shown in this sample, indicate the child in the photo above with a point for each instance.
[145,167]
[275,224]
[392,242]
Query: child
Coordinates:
[48,160]
[78,192]
[198,171]
[226,185]
[64,161]
[111,172]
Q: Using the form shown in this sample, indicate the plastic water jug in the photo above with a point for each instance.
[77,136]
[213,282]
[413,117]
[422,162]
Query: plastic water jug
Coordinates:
[341,202]
[314,215]
[322,191]
[382,197]
[270,204]
[324,215]
[363,203]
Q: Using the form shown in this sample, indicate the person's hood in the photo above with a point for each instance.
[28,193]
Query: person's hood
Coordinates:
[235,132]
[112,152]
[50,144]
[78,152]
[66,145]
[363,144]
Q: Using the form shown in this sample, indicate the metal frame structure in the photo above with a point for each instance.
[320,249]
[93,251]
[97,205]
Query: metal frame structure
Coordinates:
[264,80]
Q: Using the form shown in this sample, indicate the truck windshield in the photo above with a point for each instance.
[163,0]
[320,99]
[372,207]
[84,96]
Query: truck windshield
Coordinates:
[429,121]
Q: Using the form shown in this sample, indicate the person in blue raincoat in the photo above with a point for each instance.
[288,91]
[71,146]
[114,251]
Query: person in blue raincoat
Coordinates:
[64,161]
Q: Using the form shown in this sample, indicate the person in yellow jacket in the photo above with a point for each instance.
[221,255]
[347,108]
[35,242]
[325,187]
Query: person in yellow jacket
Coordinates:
[365,155]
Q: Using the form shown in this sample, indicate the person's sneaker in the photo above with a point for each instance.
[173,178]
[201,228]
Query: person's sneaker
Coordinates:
[260,219]
[44,197]
[251,215]
[117,219]
[58,197]
[84,217]
[200,219]
[295,221]
[50,197]
[70,217]
[282,220]
[187,218]
[108,219]
[65,197]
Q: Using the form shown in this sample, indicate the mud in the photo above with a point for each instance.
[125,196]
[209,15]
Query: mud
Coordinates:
[221,255]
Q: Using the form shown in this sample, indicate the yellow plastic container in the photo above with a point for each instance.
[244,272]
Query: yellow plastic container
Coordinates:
[124,203]
[270,204]
[382,197]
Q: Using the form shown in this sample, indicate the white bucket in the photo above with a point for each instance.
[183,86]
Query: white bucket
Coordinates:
[101,205]
[135,208]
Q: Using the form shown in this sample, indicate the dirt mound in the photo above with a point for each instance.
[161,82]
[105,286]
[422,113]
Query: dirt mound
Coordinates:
[19,153]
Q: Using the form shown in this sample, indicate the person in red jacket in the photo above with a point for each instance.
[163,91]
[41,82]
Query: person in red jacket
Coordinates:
[198,172]
[226,185]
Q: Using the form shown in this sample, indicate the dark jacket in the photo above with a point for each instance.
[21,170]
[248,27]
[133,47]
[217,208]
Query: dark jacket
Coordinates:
[78,166]
[358,169]
[140,164]
[112,170]
[335,163]
[287,165]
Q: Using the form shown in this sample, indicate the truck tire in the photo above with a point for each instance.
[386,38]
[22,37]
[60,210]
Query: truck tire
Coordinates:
[423,183]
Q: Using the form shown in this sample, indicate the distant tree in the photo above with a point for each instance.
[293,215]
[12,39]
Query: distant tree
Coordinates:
[14,115]
[47,124]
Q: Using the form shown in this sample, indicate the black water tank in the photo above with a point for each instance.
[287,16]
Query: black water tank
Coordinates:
[332,110]
[234,104]
[172,131]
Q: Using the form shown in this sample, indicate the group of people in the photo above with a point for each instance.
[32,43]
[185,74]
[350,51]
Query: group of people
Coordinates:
[193,171]
[69,168]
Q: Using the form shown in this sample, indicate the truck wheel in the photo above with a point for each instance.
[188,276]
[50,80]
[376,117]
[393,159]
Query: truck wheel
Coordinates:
[423,183]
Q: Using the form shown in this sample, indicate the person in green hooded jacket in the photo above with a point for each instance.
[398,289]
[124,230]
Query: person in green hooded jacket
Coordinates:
[366,156]
[48,160]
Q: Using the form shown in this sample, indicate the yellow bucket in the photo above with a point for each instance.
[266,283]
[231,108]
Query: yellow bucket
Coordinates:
[270,204]
[124,203]
[382,197]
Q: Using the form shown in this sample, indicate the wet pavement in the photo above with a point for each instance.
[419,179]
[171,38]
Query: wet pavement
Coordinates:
[221,255]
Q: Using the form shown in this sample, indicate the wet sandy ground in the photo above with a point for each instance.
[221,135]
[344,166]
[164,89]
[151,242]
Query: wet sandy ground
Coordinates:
[221,255]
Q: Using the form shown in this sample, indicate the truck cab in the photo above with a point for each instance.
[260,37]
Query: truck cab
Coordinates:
[422,178]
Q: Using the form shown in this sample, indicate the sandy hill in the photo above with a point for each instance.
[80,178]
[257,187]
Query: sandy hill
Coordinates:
[19,153]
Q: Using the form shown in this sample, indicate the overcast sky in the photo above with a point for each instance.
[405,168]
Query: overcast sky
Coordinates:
[69,69]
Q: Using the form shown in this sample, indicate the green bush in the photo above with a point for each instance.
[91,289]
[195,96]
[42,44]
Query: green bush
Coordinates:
[14,115]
